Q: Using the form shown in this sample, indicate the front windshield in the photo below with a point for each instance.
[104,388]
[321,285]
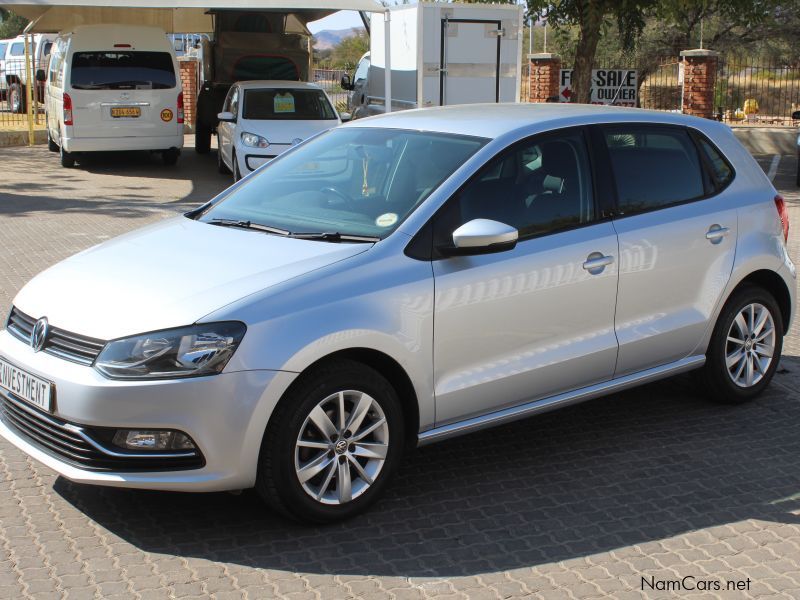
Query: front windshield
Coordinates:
[352,181]
[286,105]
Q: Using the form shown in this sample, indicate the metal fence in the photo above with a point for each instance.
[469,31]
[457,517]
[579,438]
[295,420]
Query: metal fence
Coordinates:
[749,90]
[328,80]
[757,91]
[660,86]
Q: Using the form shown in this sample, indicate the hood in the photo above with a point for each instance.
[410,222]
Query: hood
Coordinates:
[168,275]
[284,132]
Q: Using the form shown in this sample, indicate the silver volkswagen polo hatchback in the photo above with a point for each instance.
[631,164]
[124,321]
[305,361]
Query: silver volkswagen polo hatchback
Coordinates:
[395,282]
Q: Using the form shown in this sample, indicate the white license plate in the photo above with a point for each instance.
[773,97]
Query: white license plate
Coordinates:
[22,384]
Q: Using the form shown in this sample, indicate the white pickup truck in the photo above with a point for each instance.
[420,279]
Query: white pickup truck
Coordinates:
[14,78]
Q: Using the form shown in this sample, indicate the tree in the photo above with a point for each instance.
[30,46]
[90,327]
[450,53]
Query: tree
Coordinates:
[11,25]
[346,53]
[590,17]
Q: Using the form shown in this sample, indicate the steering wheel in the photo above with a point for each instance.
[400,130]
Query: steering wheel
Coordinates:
[348,202]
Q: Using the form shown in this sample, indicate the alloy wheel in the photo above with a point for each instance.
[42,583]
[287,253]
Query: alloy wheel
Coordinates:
[750,345]
[342,447]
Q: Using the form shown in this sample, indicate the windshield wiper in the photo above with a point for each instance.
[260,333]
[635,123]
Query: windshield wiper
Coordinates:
[335,236]
[248,225]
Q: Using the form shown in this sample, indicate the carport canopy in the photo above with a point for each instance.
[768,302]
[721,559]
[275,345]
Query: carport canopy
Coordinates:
[178,16]
[186,16]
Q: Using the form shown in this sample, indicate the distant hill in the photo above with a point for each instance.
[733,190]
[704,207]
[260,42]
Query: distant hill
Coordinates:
[328,38]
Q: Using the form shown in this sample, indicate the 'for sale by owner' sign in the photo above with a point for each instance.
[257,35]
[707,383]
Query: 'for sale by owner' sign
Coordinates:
[609,86]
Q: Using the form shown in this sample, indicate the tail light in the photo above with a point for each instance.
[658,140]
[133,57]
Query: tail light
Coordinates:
[783,213]
[180,108]
[67,109]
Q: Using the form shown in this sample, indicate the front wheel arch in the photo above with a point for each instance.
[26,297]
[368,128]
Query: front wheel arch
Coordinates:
[391,370]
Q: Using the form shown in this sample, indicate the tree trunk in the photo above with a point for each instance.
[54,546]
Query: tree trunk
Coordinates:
[591,18]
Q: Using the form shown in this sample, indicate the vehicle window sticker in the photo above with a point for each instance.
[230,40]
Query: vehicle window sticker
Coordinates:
[284,103]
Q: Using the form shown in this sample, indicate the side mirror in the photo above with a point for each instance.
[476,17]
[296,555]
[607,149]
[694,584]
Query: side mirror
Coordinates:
[796,115]
[41,76]
[482,236]
[345,83]
[227,117]
[345,117]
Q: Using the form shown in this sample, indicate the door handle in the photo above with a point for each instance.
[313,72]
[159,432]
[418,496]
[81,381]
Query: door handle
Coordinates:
[716,232]
[596,262]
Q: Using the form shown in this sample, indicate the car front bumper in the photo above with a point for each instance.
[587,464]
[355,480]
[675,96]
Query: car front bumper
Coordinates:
[225,415]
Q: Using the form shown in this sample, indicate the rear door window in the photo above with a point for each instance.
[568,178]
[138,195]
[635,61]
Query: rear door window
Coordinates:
[654,166]
[18,49]
[122,70]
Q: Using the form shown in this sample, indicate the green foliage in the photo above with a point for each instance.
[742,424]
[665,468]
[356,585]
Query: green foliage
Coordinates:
[345,54]
[11,25]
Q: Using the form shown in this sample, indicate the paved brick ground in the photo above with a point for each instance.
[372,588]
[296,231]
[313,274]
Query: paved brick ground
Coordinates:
[582,503]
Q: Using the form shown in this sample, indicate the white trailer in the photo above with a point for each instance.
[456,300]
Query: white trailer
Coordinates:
[442,53]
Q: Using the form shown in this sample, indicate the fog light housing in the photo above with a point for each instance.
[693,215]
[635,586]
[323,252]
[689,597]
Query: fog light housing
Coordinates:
[152,440]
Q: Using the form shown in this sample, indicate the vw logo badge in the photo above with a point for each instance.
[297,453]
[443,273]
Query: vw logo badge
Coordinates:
[296,141]
[341,447]
[39,334]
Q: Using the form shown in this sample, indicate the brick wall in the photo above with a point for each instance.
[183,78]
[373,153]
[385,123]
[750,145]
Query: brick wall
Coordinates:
[699,78]
[545,70]
[189,82]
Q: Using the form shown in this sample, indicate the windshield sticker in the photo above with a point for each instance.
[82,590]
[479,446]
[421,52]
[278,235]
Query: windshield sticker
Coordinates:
[386,220]
[284,103]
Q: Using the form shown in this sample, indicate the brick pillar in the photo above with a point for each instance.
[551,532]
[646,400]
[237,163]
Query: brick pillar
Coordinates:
[699,78]
[545,70]
[189,83]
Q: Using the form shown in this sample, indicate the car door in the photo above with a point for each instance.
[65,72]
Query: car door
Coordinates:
[226,131]
[536,320]
[677,241]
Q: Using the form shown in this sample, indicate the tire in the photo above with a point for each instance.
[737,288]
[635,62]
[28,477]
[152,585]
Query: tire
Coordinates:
[282,460]
[202,137]
[715,376]
[237,175]
[67,158]
[16,98]
[170,157]
[221,166]
[51,145]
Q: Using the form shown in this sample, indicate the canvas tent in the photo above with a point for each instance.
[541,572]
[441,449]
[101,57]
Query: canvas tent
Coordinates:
[179,16]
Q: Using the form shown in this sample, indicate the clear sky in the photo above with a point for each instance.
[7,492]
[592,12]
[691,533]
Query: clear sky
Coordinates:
[339,20]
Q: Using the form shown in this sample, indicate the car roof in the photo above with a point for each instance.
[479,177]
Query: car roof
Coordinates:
[494,120]
[277,84]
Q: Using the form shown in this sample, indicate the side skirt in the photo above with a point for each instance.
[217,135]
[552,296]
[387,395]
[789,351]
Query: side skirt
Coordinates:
[529,409]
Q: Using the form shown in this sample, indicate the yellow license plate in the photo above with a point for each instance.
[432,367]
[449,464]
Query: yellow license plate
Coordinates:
[126,112]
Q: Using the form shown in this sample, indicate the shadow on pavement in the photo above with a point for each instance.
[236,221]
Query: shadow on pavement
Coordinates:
[631,468]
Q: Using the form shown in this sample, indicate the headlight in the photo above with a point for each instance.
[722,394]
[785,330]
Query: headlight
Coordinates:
[184,352]
[253,140]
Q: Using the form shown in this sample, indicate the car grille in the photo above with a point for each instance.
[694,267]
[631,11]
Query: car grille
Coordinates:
[70,443]
[63,344]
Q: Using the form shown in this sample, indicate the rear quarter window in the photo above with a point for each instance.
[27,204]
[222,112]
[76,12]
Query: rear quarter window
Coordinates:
[654,167]
[721,169]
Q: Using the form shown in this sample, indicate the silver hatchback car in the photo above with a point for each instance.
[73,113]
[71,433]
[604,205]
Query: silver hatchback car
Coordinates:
[398,281]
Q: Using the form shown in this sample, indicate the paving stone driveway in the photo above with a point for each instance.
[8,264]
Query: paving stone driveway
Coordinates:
[582,503]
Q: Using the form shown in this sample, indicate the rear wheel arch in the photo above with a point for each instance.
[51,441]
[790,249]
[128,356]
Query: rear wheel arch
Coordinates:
[776,286]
